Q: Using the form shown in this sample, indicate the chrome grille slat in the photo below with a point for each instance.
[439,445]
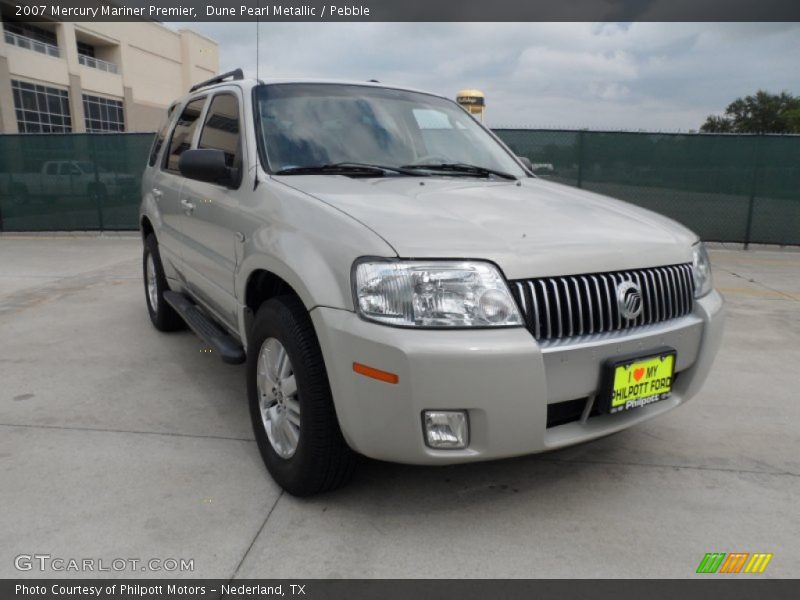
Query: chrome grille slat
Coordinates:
[608,305]
[521,296]
[547,309]
[687,276]
[569,307]
[687,288]
[599,303]
[580,304]
[589,304]
[535,303]
[648,284]
[672,292]
[664,294]
[657,312]
[558,308]
[640,318]
[678,289]
[674,289]
[577,305]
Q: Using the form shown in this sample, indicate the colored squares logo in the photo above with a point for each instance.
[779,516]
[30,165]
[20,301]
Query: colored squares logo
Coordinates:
[734,562]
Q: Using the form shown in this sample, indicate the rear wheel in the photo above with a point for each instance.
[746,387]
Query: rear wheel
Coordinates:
[162,315]
[291,406]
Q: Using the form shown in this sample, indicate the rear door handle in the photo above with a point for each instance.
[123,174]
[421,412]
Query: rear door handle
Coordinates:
[157,193]
[187,206]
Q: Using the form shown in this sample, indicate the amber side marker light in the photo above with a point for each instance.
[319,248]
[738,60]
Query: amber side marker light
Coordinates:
[384,376]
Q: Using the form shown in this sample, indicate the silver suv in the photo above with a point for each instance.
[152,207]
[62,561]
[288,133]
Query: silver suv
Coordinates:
[401,286]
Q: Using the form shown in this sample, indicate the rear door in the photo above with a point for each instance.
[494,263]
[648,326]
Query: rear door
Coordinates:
[167,182]
[212,228]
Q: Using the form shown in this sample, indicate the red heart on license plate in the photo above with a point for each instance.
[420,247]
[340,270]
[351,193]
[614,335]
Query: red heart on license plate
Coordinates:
[638,374]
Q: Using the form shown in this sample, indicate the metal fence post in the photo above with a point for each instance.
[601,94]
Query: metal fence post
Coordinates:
[748,233]
[580,157]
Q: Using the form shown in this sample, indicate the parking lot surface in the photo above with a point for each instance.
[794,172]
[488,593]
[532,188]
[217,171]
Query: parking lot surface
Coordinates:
[117,441]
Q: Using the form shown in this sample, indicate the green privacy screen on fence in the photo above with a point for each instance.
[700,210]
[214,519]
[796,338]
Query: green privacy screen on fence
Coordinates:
[727,188]
[733,188]
[68,182]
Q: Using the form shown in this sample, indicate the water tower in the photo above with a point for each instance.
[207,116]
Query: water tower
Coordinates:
[473,101]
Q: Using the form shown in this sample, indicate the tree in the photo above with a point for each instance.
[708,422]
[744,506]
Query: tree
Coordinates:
[760,113]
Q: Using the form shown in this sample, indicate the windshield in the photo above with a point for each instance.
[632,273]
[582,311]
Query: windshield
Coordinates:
[309,125]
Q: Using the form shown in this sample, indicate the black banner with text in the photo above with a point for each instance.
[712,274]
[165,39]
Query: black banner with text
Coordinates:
[408,10]
[386,589]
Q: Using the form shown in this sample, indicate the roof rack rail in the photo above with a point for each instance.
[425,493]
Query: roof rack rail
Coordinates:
[235,75]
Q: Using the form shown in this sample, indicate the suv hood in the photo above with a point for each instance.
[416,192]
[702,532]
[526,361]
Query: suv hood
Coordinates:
[533,228]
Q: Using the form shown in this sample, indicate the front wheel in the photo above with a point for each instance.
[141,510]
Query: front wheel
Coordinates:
[291,405]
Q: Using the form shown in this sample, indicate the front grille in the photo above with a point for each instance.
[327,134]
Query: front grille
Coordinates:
[574,305]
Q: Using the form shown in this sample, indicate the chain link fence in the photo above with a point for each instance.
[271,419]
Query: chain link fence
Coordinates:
[728,188]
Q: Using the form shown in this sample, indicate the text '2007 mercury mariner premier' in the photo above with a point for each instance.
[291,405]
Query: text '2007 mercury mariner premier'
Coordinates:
[401,286]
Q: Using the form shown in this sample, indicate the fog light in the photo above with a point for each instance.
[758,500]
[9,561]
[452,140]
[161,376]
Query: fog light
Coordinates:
[448,430]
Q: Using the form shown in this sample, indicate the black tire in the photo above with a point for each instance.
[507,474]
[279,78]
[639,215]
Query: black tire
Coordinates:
[322,461]
[162,315]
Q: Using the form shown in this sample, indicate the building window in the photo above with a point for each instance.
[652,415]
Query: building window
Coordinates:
[85,49]
[102,114]
[41,109]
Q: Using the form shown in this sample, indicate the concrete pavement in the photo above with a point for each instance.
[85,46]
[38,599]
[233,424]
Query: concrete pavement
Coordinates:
[117,441]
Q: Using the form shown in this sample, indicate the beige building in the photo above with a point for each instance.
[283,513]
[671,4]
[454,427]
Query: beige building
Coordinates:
[95,77]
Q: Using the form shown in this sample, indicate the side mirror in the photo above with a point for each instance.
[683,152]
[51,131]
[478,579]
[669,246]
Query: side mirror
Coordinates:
[206,165]
[526,162]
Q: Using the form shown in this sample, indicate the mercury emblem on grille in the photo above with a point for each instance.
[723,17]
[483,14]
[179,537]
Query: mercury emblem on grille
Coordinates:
[629,300]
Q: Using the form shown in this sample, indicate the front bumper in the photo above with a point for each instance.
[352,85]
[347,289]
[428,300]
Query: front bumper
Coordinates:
[503,377]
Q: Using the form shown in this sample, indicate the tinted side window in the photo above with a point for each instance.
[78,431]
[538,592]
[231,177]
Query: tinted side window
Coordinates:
[182,134]
[221,129]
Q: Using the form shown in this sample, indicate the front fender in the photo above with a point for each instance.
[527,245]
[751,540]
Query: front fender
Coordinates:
[307,272]
[306,242]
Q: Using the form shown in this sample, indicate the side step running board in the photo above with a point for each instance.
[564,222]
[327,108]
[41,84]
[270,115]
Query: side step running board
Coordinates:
[228,348]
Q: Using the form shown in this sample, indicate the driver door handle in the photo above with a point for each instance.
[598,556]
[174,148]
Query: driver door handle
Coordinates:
[157,193]
[187,206]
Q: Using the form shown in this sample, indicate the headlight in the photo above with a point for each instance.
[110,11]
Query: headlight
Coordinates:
[701,269]
[433,294]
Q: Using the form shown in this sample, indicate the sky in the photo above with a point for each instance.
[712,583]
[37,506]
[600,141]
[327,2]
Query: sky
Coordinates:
[628,76]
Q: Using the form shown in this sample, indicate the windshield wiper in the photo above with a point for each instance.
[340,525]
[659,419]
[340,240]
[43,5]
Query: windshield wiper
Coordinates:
[461,168]
[349,168]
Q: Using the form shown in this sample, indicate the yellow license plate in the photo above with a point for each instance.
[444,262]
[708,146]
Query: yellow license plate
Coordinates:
[641,381]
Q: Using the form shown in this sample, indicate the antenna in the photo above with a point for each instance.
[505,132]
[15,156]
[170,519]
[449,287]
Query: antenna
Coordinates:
[258,41]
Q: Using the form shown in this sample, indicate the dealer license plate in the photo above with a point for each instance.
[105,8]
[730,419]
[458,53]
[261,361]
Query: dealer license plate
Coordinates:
[633,383]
